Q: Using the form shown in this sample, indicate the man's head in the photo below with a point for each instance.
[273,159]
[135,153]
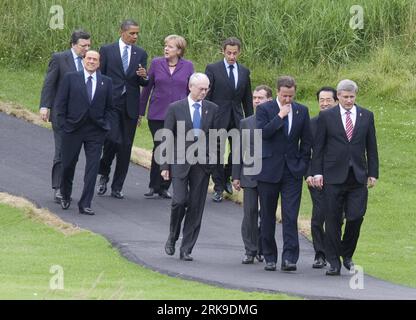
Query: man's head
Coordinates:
[327,98]
[92,61]
[261,94]
[129,31]
[286,89]
[231,49]
[346,93]
[198,86]
[80,42]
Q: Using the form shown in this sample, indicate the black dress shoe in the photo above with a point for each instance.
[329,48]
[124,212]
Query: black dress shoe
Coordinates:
[228,188]
[87,211]
[319,263]
[288,266]
[170,248]
[217,196]
[348,264]
[333,271]
[102,185]
[260,258]
[150,194]
[248,259]
[185,256]
[165,194]
[57,196]
[65,203]
[117,194]
[270,266]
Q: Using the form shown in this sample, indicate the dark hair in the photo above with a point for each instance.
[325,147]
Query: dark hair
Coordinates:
[327,89]
[79,34]
[126,24]
[231,42]
[285,81]
[268,90]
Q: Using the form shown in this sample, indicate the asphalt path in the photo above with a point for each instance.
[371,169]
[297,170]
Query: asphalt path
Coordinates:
[138,227]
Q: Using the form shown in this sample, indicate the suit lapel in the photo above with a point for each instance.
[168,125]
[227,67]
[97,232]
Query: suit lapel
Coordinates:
[83,86]
[240,76]
[117,56]
[338,121]
[224,73]
[178,67]
[204,116]
[188,119]
[358,122]
[98,87]
[133,58]
[70,61]
[295,118]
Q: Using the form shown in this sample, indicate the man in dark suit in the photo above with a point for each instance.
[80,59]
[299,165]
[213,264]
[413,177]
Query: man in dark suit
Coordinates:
[286,151]
[327,98]
[125,64]
[243,178]
[61,63]
[230,89]
[83,104]
[189,178]
[344,164]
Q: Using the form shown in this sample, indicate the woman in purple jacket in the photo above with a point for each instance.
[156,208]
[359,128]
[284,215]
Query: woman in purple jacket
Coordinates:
[168,82]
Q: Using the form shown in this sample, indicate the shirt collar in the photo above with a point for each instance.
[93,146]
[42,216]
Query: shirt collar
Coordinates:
[122,44]
[191,101]
[278,103]
[227,64]
[86,75]
[74,55]
[353,110]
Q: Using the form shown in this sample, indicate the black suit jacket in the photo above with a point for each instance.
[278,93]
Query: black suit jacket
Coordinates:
[231,101]
[333,153]
[60,64]
[112,66]
[279,149]
[179,111]
[313,128]
[73,106]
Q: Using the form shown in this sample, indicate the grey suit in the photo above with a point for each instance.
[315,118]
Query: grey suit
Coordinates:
[60,64]
[189,181]
[250,230]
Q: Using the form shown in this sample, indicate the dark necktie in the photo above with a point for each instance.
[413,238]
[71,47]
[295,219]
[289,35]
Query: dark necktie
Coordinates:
[125,59]
[349,127]
[286,125]
[89,88]
[79,64]
[231,76]
[196,117]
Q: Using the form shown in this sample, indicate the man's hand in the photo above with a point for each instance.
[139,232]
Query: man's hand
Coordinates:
[371,182]
[236,185]
[165,174]
[141,72]
[284,111]
[318,181]
[309,182]
[44,114]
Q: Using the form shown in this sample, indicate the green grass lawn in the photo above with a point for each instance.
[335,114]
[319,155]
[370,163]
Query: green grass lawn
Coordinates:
[387,246]
[92,269]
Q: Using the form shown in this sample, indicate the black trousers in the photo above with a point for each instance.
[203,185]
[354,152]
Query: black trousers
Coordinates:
[188,202]
[250,227]
[350,196]
[57,163]
[317,222]
[127,129]
[156,181]
[91,137]
[222,172]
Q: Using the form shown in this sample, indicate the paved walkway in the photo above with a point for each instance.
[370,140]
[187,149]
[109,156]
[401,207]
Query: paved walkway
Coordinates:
[138,227]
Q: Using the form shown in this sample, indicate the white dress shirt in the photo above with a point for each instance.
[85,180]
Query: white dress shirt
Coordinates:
[353,115]
[192,109]
[75,57]
[122,45]
[94,81]
[235,71]
[289,116]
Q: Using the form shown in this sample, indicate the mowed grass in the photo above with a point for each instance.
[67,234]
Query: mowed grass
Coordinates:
[92,269]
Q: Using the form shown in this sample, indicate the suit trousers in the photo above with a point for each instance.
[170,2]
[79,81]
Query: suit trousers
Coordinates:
[127,129]
[157,183]
[222,172]
[290,190]
[92,137]
[350,197]
[188,201]
[317,221]
[250,228]
[57,163]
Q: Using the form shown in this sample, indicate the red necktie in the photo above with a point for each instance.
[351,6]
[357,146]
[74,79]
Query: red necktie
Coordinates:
[349,127]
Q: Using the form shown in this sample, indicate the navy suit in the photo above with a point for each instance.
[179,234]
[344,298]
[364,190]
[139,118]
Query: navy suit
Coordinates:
[124,123]
[82,123]
[285,160]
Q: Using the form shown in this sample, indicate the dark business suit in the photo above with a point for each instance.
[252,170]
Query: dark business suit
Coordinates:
[59,65]
[284,163]
[189,181]
[235,103]
[345,166]
[120,140]
[82,123]
[250,230]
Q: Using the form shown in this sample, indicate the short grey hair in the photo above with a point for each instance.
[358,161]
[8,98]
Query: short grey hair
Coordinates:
[197,77]
[347,85]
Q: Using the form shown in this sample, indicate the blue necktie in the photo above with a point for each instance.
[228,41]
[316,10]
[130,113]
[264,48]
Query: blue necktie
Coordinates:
[89,88]
[231,76]
[196,117]
[125,59]
[79,64]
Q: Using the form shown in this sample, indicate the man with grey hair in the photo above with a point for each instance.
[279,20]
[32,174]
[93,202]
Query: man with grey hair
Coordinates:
[189,179]
[344,165]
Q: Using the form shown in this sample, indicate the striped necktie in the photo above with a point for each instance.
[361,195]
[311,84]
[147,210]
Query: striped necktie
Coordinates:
[349,127]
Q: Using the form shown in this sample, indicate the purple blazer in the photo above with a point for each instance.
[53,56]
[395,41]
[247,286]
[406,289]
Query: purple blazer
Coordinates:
[164,88]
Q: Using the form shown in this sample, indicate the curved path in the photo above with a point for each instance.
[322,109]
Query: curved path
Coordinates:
[138,227]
